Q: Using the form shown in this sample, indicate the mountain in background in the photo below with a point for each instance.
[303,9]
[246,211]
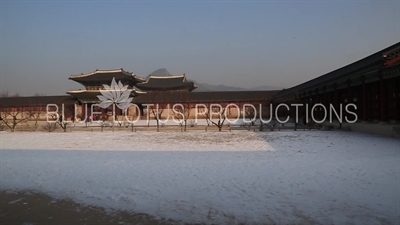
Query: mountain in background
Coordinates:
[266,88]
[161,72]
[204,87]
[209,87]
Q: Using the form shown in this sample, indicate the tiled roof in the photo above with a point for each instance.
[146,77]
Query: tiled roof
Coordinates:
[376,58]
[36,100]
[106,75]
[176,82]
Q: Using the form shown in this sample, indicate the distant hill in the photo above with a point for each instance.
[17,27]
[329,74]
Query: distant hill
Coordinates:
[161,72]
[201,87]
[266,88]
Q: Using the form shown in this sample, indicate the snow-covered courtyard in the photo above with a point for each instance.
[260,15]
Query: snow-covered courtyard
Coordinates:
[280,177]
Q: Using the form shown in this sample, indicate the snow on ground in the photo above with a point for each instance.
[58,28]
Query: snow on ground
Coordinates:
[307,177]
[167,122]
[136,141]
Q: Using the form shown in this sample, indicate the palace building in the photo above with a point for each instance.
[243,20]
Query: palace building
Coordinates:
[371,84]
[93,83]
[156,90]
[167,83]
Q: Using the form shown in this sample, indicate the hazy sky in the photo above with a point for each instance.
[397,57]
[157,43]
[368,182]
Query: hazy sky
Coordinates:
[239,43]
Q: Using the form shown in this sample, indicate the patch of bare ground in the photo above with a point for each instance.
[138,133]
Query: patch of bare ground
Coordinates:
[26,207]
[34,208]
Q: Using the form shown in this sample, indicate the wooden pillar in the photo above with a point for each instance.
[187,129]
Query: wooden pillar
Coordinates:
[141,110]
[335,98]
[315,101]
[382,99]
[325,100]
[103,111]
[321,100]
[349,100]
[118,111]
[364,101]
[349,97]
[397,100]
[84,115]
[89,111]
[306,113]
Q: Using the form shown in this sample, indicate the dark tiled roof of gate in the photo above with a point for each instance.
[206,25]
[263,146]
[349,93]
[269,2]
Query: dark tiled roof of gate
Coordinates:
[106,75]
[36,100]
[166,82]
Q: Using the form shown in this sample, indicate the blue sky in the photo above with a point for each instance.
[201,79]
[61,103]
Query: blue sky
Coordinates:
[238,43]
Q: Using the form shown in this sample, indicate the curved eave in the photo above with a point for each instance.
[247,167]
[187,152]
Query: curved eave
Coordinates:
[78,93]
[164,78]
[167,77]
[107,78]
[185,85]
[101,72]
[139,79]
[140,92]
[97,75]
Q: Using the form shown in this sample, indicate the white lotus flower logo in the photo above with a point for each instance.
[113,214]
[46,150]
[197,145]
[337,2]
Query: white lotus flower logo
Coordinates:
[117,94]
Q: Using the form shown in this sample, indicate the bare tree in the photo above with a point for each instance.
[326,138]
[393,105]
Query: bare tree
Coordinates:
[160,100]
[35,113]
[63,124]
[50,126]
[273,124]
[250,112]
[219,112]
[121,122]
[58,118]
[157,110]
[2,126]
[12,116]
[182,113]
[103,122]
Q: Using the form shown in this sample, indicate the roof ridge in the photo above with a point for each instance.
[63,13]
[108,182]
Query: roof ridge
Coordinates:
[166,76]
[102,71]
